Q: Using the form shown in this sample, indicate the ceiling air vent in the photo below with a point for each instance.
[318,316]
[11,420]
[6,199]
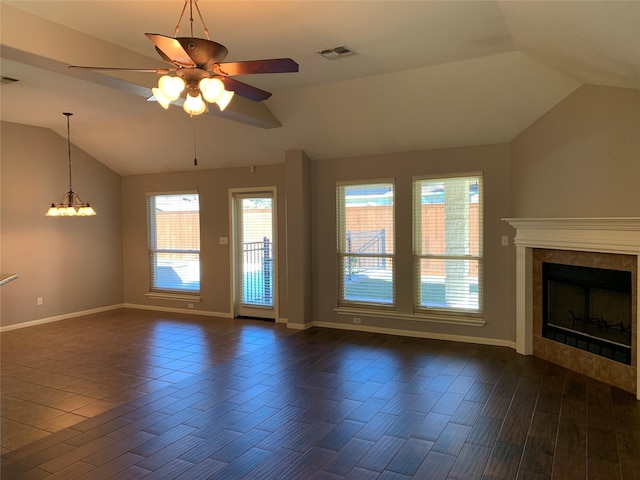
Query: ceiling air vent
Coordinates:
[7,80]
[337,52]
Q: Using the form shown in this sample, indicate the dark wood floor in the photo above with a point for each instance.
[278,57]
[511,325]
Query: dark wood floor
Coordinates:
[191,397]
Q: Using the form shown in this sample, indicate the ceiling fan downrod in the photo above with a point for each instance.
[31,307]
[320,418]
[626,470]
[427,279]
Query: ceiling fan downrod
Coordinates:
[204,26]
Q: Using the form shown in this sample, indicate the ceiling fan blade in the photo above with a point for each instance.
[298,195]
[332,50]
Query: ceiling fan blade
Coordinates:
[245,90]
[159,71]
[273,65]
[170,50]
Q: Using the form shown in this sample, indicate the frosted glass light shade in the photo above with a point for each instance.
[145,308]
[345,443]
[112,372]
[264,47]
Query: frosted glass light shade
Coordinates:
[171,87]
[86,211]
[53,211]
[161,98]
[194,105]
[212,89]
[224,99]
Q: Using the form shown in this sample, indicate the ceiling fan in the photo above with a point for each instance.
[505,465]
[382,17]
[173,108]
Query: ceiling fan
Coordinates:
[199,68]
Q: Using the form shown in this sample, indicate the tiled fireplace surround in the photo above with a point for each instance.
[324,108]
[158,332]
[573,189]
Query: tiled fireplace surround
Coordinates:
[612,243]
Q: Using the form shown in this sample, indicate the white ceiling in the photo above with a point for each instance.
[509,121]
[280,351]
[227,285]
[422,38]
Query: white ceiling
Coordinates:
[426,74]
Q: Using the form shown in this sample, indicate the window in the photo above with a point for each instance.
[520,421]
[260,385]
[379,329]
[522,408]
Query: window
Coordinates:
[365,243]
[174,242]
[447,244]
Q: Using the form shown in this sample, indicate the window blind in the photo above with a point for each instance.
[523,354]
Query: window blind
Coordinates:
[365,244]
[447,243]
[174,242]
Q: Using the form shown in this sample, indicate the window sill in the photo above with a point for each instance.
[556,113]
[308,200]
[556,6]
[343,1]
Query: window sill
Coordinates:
[179,297]
[451,318]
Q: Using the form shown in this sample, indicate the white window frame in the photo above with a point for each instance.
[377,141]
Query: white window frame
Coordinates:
[188,295]
[470,310]
[343,255]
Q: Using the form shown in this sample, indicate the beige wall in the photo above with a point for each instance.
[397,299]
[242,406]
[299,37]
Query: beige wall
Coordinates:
[74,264]
[582,158]
[499,267]
[299,239]
[215,274]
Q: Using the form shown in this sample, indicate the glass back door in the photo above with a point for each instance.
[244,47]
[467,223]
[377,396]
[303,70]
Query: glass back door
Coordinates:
[254,254]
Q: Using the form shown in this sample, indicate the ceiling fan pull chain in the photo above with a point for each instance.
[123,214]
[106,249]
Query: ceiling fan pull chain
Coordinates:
[195,157]
[175,32]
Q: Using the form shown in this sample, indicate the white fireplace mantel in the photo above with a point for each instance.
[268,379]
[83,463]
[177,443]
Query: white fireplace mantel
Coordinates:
[607,235]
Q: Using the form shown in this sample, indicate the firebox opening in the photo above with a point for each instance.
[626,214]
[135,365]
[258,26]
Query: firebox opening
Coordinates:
[588,308]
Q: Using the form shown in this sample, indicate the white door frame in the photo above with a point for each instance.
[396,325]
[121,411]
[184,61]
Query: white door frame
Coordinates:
[233,193]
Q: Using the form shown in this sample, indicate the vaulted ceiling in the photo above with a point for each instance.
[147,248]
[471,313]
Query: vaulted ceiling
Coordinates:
[424,74]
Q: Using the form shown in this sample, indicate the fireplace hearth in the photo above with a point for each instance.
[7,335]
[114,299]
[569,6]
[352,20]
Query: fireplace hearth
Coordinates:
[588,308]
[610,243]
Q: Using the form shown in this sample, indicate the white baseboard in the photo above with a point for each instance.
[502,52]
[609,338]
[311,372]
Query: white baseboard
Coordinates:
[60,317]
[189,311]
[300,326]
[295,326]
[412,333]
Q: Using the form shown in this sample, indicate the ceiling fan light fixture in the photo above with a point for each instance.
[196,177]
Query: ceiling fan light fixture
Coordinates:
[194,105]
[212,89]
[198,66]
[171,87]
[224,99]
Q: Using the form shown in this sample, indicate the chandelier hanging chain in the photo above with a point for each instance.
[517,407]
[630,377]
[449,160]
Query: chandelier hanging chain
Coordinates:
[67,114]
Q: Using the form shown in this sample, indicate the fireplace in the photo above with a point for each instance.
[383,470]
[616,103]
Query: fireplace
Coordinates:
[588,308]
[577,295]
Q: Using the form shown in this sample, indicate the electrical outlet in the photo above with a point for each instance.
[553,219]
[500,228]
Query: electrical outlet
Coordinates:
[357,320]
[189,305]
[39,301]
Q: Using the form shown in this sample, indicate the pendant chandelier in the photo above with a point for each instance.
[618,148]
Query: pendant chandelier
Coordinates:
[71,205]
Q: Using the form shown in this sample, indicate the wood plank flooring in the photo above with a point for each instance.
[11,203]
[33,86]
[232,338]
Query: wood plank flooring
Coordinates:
[136,394]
